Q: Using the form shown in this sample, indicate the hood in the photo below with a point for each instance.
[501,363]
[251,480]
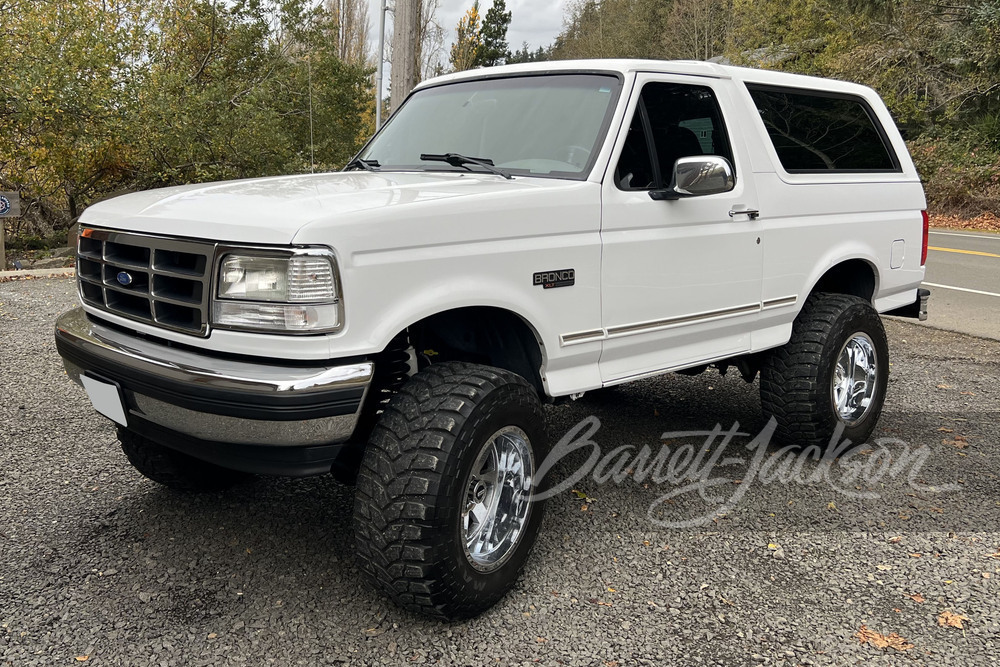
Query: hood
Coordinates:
[273,210]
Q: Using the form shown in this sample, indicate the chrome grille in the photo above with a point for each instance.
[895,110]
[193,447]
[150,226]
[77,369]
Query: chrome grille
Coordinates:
[160,281]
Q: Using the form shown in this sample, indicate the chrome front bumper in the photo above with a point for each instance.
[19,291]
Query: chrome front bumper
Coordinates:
[214,399]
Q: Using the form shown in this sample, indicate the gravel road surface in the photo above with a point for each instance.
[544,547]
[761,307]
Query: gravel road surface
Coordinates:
[785,566]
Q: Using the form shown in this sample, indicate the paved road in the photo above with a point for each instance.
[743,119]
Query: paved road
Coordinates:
[963,274]
[98,563]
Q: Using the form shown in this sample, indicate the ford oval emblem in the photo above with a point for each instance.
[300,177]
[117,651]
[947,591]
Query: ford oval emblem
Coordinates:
[125,278]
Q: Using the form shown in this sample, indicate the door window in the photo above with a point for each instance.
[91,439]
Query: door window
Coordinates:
[671,121]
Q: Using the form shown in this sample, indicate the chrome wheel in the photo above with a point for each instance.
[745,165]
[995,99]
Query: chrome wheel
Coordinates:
[855,378]
[497,498]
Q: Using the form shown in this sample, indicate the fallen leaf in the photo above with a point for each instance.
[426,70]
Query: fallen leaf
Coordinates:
[996,555]
[944,386]
[583,508]
[949,619]
[541,640]
[893,641]
[645,543]
[611,590]
[967,393]
[831,505]
[986,575]
[212,635]
[772,545]
[945,430]
[916,597]
[916,555]
[897,610]
[82,658]
[895,540]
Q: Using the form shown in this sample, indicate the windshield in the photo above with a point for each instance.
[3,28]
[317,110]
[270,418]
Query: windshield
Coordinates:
[550,125]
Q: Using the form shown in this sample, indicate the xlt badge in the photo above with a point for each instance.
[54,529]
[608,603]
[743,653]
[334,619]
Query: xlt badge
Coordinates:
[560,278]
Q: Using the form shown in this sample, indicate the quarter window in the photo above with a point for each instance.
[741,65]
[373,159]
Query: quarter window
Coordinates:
[817,132]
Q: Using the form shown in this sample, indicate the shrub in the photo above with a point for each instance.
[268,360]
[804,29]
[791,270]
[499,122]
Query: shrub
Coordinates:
[961,174]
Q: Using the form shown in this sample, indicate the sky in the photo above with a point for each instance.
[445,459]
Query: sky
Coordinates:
[536,22]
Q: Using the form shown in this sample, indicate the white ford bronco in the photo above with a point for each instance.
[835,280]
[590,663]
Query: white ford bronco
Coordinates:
[511,236]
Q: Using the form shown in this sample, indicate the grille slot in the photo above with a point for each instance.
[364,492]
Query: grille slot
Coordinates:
[161,281]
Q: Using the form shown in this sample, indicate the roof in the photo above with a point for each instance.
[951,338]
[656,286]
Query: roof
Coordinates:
[683,67]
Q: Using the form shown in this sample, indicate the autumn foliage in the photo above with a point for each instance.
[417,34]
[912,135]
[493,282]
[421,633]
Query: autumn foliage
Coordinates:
[107,96]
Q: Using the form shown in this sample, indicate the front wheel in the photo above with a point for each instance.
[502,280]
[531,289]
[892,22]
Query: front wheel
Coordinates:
[831,375]
[444,516]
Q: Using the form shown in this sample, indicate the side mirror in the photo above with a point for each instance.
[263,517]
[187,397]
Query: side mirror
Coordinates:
[698,176]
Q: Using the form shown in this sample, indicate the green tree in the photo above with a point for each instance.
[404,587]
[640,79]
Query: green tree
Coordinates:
[101,96]
[613,29]
[526,55]
[495,50]
[68,76]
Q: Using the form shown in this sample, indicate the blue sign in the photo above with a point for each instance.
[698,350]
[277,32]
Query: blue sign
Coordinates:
[10,205]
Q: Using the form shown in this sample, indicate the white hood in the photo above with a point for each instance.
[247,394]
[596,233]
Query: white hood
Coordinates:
[273,210]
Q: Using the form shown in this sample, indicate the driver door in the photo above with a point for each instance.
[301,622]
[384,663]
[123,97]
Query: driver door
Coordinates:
[682,278]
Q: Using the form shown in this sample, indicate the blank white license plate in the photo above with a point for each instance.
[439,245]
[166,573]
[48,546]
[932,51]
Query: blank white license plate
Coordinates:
[106,398]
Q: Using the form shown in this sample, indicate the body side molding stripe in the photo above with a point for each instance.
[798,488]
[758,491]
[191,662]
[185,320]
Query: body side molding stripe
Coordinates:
[583,337]
[593,335]
[780,301]
[643,327]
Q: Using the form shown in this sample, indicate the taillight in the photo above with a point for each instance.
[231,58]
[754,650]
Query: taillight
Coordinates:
[927,225]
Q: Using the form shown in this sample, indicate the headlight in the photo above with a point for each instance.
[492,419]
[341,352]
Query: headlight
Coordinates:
[295,292]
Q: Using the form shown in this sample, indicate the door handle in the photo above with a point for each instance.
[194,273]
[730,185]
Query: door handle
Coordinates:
[752,213]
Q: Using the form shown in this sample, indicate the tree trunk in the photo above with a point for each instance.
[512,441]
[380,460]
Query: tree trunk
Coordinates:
[405,24]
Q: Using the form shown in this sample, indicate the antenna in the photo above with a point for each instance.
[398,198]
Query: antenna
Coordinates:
[312,145]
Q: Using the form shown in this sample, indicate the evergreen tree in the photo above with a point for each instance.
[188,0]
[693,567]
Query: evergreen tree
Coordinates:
[495,50]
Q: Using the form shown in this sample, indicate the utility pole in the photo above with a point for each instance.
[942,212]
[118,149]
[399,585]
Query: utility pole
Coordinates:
[378,67]
[405,28]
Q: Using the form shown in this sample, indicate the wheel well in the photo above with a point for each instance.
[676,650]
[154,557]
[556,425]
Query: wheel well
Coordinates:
[483,335]
[855,276]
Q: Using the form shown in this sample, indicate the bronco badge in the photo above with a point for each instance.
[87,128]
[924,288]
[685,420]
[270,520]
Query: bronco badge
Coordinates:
[560,278]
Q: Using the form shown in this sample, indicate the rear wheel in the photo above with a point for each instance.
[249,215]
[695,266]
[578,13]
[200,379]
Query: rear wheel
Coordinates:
[831,375]
[444,518]
[174,469]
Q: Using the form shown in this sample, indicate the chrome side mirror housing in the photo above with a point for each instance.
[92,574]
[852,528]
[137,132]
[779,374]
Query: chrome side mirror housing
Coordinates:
[698,176]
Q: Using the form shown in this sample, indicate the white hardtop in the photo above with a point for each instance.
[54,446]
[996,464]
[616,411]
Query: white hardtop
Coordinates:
[681,67]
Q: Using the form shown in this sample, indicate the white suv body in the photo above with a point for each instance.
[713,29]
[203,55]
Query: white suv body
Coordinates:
[607,272]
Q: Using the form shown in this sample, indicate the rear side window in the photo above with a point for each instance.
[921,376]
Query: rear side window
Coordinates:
[815,132]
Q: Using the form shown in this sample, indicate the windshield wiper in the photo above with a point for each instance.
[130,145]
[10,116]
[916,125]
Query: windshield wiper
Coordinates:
[459,160]
[367,165]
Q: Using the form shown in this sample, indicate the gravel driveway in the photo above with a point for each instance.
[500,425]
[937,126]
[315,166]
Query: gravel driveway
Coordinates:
[100,566]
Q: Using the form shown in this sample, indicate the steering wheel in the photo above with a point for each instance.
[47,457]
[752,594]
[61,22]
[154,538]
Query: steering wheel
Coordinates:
[572,153]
